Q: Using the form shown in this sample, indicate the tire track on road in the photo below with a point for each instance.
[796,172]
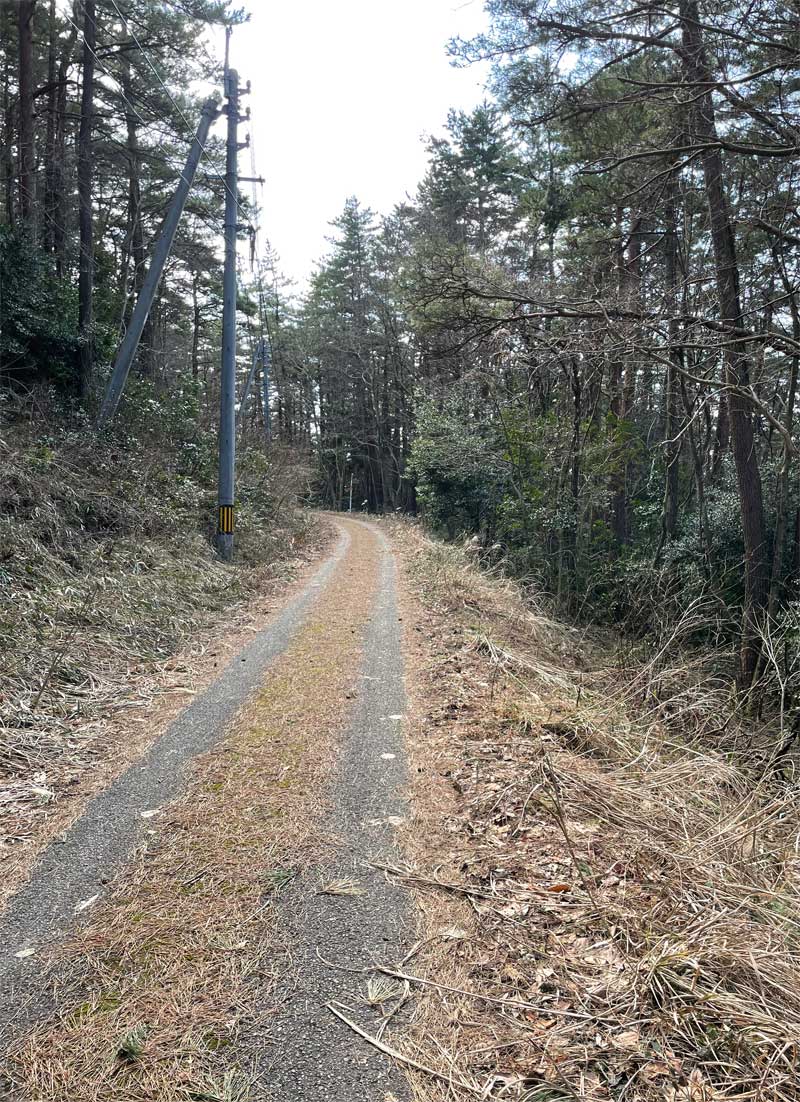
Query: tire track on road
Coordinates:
[303,1053]
[195,949]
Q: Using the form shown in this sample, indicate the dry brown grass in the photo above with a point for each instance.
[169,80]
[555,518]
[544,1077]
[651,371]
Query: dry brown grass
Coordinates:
[152,992]
[610,891]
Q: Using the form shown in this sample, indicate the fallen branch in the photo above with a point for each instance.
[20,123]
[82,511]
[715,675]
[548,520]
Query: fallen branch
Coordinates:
[465,889]
[517,1004]
[387,1050]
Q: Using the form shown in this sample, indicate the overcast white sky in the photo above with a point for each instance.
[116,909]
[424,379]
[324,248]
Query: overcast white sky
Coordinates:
[343,91]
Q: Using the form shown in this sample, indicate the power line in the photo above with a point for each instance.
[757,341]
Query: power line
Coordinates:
[124,98]
[230,194]
[252,222]
[108,73]
[176,105]
[62,228]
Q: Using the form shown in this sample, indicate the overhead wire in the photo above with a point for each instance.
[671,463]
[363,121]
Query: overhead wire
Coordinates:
[120,92]
[252,223]
[214,166]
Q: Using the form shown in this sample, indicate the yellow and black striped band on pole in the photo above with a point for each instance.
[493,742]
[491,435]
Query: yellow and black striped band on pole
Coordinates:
[225,521]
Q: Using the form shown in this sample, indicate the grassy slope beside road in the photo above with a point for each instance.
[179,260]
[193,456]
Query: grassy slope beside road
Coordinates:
[608,878]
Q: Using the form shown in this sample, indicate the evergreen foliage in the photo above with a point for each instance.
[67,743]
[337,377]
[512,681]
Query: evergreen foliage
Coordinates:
[587,320]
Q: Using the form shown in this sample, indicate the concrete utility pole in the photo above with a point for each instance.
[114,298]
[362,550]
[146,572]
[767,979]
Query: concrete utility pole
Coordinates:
[127,350]
[227,397]
[258,356]
[266,360]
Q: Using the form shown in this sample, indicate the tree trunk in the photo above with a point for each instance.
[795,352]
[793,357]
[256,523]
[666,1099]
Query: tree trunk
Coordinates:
[672,448]
[50,141]
[195,330]
[57,204]
[86,258]
[570,535]
[26,177]
[699,480]
[8,122]
[736,368]
[134,239]
[623,386]
[784,474]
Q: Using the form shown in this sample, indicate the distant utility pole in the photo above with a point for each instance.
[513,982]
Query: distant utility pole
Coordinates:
[227,398]
[266,360]
[130,342]
[258,356]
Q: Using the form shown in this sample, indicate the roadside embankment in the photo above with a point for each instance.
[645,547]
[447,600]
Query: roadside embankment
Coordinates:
[608,883]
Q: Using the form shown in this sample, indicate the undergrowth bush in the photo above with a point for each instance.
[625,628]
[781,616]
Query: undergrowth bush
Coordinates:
[514,481]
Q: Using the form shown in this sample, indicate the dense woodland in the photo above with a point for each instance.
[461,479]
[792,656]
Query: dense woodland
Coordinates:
[579,341]
[98,115]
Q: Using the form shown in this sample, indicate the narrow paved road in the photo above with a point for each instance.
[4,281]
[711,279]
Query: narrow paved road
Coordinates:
[306,1054]
[298,1049]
